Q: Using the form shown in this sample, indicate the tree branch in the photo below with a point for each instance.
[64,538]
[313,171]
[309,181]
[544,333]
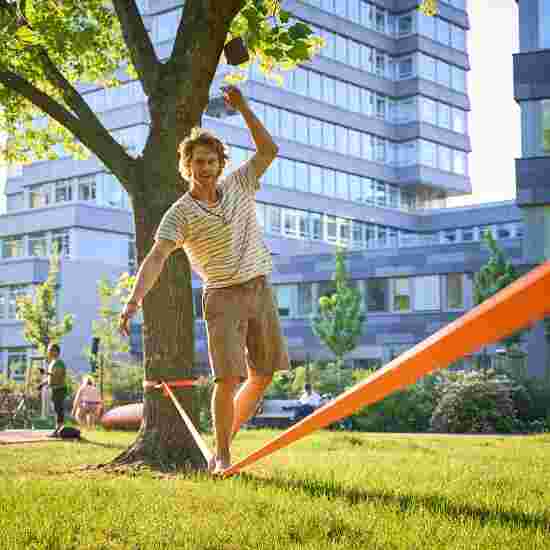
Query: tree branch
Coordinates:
[196,15]
[108,150]
[139,43]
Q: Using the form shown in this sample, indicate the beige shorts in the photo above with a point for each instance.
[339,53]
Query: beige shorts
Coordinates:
[243,329]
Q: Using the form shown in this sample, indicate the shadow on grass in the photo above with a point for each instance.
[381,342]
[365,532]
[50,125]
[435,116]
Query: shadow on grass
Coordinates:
[434,503]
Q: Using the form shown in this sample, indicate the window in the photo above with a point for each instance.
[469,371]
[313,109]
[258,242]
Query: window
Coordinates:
[444,158]
[329,90]
[444,74]
[449,236]
[301,129]
[315,180]
[274,226]
[459,120]
[545,123]
[459,38]
[427,67]
[305,299]
[377,295]
[380,64]
[354,143]
[315,85]
[426,293]
[87,189]
[38,245]
[62,243]
[40,195]
[428,153]
[443,32]
[63,191]
[426,25]
[405,68]
[405,25]
[428,110]
[290,223]
[284,299]
[316,222]
[329,136]
[544,24]
[381,195]
[12,247]
[167,25]
[401,294]
[329,182]
[468,234]
[455,291]
[17,364]
[459,162]
[444,116]
[459,80]
[342,186]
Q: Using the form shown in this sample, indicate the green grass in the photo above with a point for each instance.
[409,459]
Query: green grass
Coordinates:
[330,490]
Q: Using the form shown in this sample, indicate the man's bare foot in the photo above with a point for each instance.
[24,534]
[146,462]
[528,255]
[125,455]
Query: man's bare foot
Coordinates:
[212,463]
[221,466]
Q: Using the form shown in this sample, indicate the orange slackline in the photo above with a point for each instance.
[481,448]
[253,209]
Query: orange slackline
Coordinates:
[151,385]
[522,303]
[206,453]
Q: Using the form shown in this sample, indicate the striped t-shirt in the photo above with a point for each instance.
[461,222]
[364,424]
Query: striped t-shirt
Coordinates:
[224,242]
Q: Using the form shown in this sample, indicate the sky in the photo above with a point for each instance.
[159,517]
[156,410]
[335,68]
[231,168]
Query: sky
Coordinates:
[494,121]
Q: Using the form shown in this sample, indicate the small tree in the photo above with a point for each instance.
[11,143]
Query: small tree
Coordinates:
[338,324]
[39,313]
[495,275]
[106,327]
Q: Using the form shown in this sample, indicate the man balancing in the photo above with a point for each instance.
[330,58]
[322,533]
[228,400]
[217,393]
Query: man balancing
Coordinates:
[215,223]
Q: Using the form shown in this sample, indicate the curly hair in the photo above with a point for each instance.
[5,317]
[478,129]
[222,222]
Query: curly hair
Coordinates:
[199,136]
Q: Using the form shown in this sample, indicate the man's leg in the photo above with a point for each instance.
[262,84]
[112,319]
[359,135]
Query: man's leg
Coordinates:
[248,397]
[222,416]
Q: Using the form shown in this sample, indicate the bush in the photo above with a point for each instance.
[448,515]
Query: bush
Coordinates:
[408,410]
[475,402]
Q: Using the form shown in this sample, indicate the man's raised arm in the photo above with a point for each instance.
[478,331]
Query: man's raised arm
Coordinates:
[266,148]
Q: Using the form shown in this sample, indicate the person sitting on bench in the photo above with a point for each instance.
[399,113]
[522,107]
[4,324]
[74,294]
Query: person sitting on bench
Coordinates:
[309,401]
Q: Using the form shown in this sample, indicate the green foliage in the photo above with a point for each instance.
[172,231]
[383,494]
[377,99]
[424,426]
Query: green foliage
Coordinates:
[408,410]
[125,382]
[429,7]
[495,275]
[39,315]
[111,299]
[82,39]
[84,43]
[339,322]
[475,402]
[272,39]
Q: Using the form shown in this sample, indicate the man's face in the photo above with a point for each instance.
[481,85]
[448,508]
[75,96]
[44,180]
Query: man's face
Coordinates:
[205,165]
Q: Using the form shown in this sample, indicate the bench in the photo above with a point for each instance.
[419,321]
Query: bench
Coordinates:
[275,413]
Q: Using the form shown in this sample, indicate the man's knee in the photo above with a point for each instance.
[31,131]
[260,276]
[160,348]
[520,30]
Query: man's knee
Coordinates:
[227,383]
[261,380]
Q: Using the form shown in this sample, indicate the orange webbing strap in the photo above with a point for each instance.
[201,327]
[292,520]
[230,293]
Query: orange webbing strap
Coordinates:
[190,426]
[522,303]
[150,385]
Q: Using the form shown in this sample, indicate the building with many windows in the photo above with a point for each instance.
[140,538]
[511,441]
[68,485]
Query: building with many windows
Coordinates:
[373,139]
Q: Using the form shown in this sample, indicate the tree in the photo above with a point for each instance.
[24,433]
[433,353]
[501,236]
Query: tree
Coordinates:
[50,47]
[39,314]
[338,324]
[495,275]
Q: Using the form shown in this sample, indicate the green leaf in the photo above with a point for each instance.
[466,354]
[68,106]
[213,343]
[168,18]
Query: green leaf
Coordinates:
[27,36]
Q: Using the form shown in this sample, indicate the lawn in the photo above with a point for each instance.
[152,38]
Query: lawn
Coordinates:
[330,490]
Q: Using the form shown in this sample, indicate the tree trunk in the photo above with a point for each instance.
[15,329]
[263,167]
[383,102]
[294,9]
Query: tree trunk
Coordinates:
[163,441]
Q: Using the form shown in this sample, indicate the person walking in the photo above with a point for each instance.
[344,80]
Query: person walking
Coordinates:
[215,224]
[57,375]
[87,403]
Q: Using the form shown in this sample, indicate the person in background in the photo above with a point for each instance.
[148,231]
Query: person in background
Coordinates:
[309,401]
[57,375]
[87,403]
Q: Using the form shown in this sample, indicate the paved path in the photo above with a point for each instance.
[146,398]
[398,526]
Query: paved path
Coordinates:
[25,436]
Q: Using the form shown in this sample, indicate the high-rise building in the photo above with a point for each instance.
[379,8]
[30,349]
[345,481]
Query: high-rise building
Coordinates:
[373,137]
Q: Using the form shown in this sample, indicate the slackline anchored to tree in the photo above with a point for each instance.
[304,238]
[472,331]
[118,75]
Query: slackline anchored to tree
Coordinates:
[523,302]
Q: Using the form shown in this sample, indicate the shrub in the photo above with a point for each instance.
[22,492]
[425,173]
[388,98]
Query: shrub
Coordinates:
[475,402]
[408,410]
